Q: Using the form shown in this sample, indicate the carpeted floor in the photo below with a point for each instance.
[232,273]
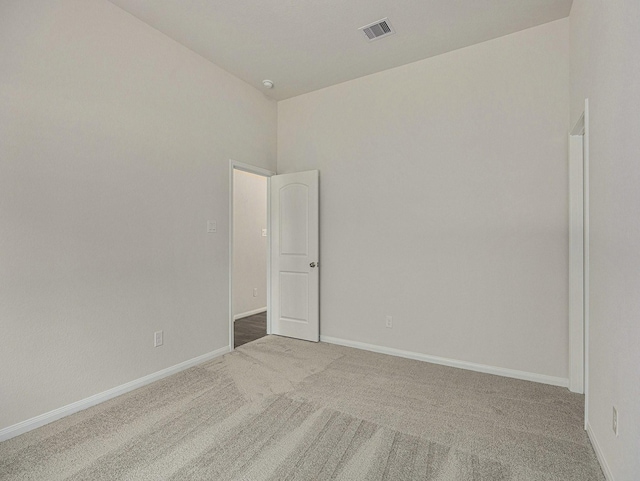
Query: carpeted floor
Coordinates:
[281,409]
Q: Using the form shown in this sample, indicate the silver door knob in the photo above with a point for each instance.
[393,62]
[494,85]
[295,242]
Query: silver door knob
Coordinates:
[312,265]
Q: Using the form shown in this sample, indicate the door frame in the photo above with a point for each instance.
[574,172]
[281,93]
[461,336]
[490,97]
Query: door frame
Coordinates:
[252,169]
[579,255]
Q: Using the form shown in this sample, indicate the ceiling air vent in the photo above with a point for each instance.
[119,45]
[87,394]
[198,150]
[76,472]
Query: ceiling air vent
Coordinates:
[379,29]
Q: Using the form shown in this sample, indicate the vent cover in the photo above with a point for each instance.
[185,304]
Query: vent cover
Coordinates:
[379,29]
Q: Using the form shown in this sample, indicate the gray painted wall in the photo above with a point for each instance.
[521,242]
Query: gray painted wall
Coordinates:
[605,68]
[114,153]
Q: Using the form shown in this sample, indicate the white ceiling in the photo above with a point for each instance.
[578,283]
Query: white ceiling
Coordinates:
[305,45]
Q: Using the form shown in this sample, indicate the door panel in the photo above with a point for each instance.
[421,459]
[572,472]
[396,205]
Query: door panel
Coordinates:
[294,296]
[294,215]
[294,255]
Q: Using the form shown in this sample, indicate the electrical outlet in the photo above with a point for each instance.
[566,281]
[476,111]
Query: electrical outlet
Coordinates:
[212,226]
[255,292]
[389,322]
[264,232]
[615,421]
[157,339]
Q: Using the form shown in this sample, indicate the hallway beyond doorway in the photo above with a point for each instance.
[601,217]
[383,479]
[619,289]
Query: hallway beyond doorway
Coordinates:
[249,328]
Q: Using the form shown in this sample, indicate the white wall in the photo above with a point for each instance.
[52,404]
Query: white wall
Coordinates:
[114,152]
[249,246]
[444,201]
[605,68]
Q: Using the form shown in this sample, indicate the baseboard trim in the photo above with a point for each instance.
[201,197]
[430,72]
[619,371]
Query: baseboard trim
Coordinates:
[249,313]
[471,366]
[46,418]
[606,470]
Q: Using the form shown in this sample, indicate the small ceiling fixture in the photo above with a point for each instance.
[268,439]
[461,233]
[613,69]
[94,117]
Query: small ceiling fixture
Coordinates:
[267,83]
[379,29]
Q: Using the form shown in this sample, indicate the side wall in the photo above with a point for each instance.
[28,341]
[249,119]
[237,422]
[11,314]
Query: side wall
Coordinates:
[444,201]
[249,246]
[114,152]
[605,68]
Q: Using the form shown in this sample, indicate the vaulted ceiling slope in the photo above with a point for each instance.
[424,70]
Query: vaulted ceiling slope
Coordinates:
[305,45]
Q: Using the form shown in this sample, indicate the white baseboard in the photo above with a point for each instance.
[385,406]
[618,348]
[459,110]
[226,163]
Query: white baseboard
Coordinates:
[606,470]
[46,418]
[249,313]
[471,366]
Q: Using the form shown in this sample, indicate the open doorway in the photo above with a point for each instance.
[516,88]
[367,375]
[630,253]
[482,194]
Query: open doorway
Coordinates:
[291,251]
[249,254]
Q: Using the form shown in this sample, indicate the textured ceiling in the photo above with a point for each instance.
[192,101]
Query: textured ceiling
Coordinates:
[305,45]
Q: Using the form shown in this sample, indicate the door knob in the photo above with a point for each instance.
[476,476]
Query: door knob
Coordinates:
[312,265]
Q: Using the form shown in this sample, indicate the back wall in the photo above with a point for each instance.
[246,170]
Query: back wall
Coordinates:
[444,201]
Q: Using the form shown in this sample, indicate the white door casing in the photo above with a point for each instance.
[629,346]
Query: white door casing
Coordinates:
[579,257]
[295,279]
[576,265]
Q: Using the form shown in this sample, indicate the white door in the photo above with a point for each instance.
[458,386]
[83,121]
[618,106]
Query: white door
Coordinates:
[295,279]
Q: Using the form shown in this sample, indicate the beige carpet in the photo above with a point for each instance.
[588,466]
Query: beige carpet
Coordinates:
[281,409]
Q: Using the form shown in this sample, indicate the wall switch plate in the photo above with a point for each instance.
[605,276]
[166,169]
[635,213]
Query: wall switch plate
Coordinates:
[264,232]
[389,322]
[157,339]
[212,226]
[615,421]
[255,292]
